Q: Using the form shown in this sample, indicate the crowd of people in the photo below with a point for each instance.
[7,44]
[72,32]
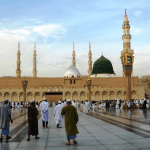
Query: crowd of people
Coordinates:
[63,110]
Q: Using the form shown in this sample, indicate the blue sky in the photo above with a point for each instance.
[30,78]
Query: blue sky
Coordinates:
[55,25]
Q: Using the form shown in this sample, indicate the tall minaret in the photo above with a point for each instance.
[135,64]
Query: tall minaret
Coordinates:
[34,62]
[90,61]
[18,71]
[126,37]
[126,33]
[73,57]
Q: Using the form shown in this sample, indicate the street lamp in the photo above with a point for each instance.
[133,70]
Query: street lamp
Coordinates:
[24,85]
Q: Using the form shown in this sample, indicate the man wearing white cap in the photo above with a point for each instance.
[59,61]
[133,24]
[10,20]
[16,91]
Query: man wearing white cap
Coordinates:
[57,115]
[5,117]
[44,112]
[71,119]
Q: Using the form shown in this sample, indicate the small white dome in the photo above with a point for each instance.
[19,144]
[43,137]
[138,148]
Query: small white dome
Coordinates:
[72,71]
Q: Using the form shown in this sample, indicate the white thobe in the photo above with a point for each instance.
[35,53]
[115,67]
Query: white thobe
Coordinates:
[57,114]
[12,103]
[62,105]
[16,104]
[87,106]
[44,111]
[129,104]
[73,104]
[53,104]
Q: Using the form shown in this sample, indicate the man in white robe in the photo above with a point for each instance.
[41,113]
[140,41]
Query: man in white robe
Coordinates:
[62,104]
[117,105]
[57,115]
[75,104]
[12,103]
[65,102]
[54,104]
[87,107]
[44,112]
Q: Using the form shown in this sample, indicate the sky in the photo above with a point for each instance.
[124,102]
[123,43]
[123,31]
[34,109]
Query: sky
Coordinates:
[55,25]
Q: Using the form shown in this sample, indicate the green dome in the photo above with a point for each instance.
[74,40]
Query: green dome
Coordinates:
[102,65]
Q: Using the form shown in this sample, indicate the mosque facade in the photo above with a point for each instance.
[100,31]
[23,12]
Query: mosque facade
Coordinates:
[104,82]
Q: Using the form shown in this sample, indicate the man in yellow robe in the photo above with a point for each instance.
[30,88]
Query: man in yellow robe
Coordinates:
[71,119]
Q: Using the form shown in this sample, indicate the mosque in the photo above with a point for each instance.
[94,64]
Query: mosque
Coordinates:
[104,82]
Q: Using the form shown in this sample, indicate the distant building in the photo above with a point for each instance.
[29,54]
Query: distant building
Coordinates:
[73,85]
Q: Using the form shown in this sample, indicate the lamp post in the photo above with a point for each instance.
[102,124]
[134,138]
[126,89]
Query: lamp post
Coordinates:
[127,59]
[24,85]
[89,88]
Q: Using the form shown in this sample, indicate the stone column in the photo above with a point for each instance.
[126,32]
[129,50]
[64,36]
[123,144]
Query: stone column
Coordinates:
[128,88]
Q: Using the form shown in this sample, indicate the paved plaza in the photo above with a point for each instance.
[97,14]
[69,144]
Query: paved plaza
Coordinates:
[100,130]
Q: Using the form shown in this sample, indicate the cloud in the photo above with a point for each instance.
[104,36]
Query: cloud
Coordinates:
[135,30]
[6,19]
[38,22]
[15,31]
[148,21]
[138,13]
[50,30]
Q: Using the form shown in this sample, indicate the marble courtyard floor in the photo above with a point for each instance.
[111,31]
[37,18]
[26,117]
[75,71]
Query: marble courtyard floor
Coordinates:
[100,130]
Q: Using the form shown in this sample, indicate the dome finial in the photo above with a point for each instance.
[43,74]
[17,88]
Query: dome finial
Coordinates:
[73,57]
[34,46]
[125,11]
[73,46]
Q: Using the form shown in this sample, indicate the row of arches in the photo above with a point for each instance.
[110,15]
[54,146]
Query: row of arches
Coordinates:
[19,96]
[99,95]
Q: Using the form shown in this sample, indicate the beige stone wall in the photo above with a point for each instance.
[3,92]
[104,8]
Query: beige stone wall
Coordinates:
[101,89]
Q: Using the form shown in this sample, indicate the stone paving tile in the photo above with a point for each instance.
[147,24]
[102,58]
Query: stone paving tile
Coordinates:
[121,147]
[142,145]
[97,147]
[50,139]
[32,143]
[8,145]
[69,147]
[55,143]
[86,138]
[143,140]
[113,142]
[30,148]
[88,142]
[131,136]
[107,138]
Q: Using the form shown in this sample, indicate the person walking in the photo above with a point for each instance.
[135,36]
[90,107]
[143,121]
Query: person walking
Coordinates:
[32,121]
[57,115]
[44,112]
[71,119]
[5,117]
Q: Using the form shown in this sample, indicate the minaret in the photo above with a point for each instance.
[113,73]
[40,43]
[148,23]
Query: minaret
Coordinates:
[126,37]
[73,57]
[90,61]
[34,62]
[18,71]
[126,32]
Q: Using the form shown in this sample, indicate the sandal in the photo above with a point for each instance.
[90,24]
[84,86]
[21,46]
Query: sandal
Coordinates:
[75,142]
[37,137]
[68,143]
[8,137]
[28,139]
